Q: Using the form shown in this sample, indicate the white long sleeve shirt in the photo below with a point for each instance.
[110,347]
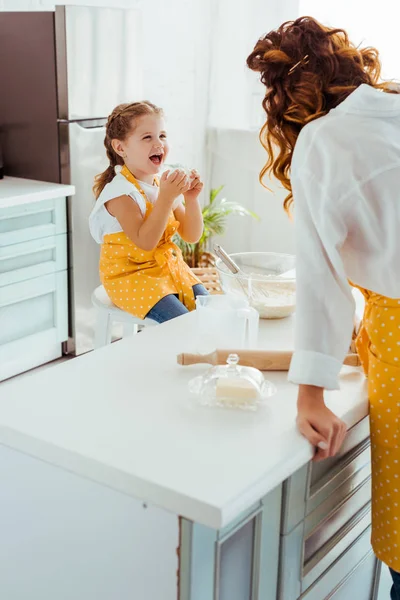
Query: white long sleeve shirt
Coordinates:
[346,187]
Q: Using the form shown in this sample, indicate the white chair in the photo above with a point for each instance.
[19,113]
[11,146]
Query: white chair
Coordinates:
[107,313]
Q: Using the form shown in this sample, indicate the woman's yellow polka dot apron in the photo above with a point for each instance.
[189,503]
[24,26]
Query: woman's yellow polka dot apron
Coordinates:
[378,344]
[135,279]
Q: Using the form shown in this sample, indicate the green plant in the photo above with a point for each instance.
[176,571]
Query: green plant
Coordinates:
[215,215]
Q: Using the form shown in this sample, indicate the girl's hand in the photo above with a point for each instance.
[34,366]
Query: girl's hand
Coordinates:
[196,185]
[318,424]
[173,185]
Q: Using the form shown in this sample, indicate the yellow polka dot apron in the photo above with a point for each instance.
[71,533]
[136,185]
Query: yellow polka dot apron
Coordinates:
[378,345]
[135,279]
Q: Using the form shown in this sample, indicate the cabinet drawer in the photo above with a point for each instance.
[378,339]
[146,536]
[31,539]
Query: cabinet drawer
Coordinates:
[32,221]
[314,483]
[348,474]
[27,260]
[360,583]
[328,519]
[297,575]
[33,318]
[358,434]
[334,548]
[352,575]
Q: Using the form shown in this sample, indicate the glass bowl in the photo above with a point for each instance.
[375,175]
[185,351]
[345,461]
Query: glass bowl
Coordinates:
[269,282]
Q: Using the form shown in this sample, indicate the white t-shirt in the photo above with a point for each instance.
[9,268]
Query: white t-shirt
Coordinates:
[101,222]
[345,178]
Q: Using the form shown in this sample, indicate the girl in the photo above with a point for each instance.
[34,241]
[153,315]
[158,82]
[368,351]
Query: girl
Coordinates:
[134,220]
[333,135]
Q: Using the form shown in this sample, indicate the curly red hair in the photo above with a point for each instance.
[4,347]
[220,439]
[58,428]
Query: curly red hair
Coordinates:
[307,70]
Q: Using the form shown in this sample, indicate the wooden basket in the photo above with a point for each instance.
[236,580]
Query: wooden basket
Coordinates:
[209,278]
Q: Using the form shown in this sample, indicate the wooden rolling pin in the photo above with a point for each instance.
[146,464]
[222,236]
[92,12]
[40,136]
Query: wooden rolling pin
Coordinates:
[264,360]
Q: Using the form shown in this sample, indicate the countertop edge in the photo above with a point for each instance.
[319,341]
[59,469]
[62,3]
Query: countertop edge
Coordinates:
[54,191]
[110,477]
[194,510]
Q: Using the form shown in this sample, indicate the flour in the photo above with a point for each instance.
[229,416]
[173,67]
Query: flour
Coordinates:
[272,300]
[275,308]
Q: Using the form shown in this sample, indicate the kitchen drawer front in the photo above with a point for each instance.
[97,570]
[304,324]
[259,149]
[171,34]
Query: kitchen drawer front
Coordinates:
[35,258]
[296,575]
[360,583]
[333,514]
[34,305]
[348,474]
[29,352]
[334,548]
[320,471]
[31,308]
[32,221]
[355,571]
[314,483]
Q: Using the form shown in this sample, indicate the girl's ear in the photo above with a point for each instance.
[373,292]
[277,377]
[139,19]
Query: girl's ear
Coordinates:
[117,146]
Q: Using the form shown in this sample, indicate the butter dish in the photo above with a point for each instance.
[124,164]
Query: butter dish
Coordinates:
[231,386]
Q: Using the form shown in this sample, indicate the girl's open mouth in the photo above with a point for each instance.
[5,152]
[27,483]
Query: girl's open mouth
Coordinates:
[156,159]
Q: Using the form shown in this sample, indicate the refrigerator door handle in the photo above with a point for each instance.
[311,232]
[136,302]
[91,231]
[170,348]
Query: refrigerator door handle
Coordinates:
[86,123]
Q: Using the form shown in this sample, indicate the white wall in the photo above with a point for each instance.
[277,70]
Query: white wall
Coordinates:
[236,155]
[176,55]
[367,22]
[236,160]
[235,93]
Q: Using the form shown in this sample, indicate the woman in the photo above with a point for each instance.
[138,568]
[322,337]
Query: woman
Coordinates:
[333,138]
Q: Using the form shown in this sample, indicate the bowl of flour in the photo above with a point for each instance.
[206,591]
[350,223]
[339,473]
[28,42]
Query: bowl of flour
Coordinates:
[268,281]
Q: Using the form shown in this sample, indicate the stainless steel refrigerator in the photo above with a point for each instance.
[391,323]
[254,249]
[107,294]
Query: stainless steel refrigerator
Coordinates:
[61,74]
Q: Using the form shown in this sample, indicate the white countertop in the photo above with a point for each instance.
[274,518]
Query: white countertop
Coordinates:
[121,416]
[15,191]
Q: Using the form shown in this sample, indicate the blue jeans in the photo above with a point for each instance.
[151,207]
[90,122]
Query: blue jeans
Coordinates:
[171,307]
[395,591]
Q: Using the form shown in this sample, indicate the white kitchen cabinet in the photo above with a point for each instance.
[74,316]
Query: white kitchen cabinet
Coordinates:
[63,537]
[114,431]
[33,322]
[32,221]
[360,583]
[326,525]
[33,274]
[27,260]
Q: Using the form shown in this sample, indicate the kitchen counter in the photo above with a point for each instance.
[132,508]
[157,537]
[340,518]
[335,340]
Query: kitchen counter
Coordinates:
[121,416]
[15,191]
[120,420]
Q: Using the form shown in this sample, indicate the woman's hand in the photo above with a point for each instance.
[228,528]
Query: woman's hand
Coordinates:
[196,185]
[173,184]
[317,423]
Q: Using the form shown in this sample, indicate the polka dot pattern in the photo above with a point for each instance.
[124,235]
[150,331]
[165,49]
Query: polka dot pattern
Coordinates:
[380,355]
[136,280]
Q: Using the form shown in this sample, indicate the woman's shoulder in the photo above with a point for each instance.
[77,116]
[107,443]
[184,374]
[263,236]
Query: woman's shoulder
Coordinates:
[318,142]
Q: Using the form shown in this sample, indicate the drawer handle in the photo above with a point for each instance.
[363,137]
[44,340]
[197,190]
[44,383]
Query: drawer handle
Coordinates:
[26,213]
[35,251]
[347,460]
[26,297]
[335,539]
[346,501]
